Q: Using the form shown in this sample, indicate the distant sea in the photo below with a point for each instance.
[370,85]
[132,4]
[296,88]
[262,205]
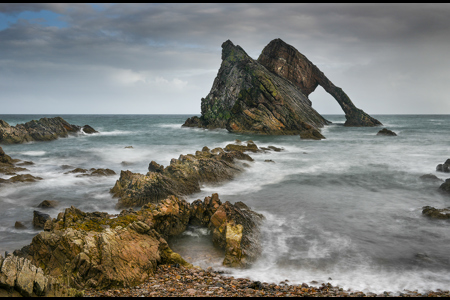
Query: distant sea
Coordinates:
[345,210]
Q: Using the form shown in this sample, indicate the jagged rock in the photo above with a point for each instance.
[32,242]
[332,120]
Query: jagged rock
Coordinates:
[154,167]
[386,132]
[434,213]
[21,178]
[246,97]
[286,61]
[48,204]
[251,146]
[88,129]
[311,134]
[39,219]
[270,95]
[444,167]
[5,159]
[182,177]
[19,274]
[46,129]
[445,187]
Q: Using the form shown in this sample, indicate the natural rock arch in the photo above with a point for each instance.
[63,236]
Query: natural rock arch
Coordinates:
[286,61]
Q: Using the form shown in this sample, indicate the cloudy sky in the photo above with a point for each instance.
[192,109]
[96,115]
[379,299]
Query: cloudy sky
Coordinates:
[163,58]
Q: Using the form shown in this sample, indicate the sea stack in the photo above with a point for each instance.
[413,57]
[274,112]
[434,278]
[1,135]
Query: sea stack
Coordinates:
[270,95]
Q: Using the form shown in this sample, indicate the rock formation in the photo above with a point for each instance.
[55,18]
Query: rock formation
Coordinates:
[92,172]
[284,60]
[444,167]
[386,132]
[105,251]
[8,167]
[270,95]
[18,274]
[46,129]
[445,187]
[435,213]
[182,177]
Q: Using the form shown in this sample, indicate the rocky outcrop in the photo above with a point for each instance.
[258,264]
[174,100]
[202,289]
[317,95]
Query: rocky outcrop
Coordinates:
[246,97]
[235,229]
[435,213]
[445,187]
[39,219]
[270,95]
[46,129]
[386,132]
[20,275]
[285,61]
[182,177]
[48,204]
[100,250]
[444,167]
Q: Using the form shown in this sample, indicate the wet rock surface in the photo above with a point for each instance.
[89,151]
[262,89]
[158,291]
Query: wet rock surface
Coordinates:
[444,167]
[45,129]
[386,132]
[103,251]
[178,281]
[183,176]
[445,187]
[92,172]
[434,213]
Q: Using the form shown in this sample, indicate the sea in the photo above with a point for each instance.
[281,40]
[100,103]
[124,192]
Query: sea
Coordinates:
[345,210]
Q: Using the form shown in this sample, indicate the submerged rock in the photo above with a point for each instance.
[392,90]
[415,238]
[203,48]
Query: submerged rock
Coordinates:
[386,132]
[270,95]
[46,129]
[434,213]
[445,187]
[48,204]
[182,177]
[92,172]
[430,177]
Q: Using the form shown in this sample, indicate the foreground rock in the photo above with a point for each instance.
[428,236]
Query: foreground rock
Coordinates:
[8,165]
[386,132]
[270,95]
[46,129]
[182,177]
[444,167]
[434,213]
[19,277]
[104,251]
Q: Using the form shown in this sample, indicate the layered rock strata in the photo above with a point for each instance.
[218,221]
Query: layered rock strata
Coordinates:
[18,274]
[270,95]
[182,177]
[284,60]
[246,97]
[105,251]
[46,129]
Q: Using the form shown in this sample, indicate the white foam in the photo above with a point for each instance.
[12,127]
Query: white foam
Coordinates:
[33,153]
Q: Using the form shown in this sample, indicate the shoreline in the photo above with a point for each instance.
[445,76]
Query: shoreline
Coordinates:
[178,281]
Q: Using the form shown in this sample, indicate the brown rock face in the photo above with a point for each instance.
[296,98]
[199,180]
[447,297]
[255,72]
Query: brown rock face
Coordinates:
[284,60]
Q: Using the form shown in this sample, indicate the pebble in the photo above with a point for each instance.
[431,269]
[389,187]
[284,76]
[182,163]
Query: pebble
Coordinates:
[182,282]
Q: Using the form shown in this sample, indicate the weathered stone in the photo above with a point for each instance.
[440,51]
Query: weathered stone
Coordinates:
[246,97]
[23,178]
[92,172]
[48,204]
[434,213]
[386,132]
[88,129]
[182,177]
[444,167]
[287,62]
[45,129]
[39,219]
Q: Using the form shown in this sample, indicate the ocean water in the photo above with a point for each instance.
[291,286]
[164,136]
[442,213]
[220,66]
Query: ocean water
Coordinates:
[345,210]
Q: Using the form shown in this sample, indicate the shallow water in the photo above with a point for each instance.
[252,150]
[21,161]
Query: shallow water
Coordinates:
[347,207]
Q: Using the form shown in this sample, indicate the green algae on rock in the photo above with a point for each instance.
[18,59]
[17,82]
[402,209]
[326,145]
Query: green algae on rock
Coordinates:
[270,95]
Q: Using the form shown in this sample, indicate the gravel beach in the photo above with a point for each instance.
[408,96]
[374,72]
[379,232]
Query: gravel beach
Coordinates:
[177,281]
